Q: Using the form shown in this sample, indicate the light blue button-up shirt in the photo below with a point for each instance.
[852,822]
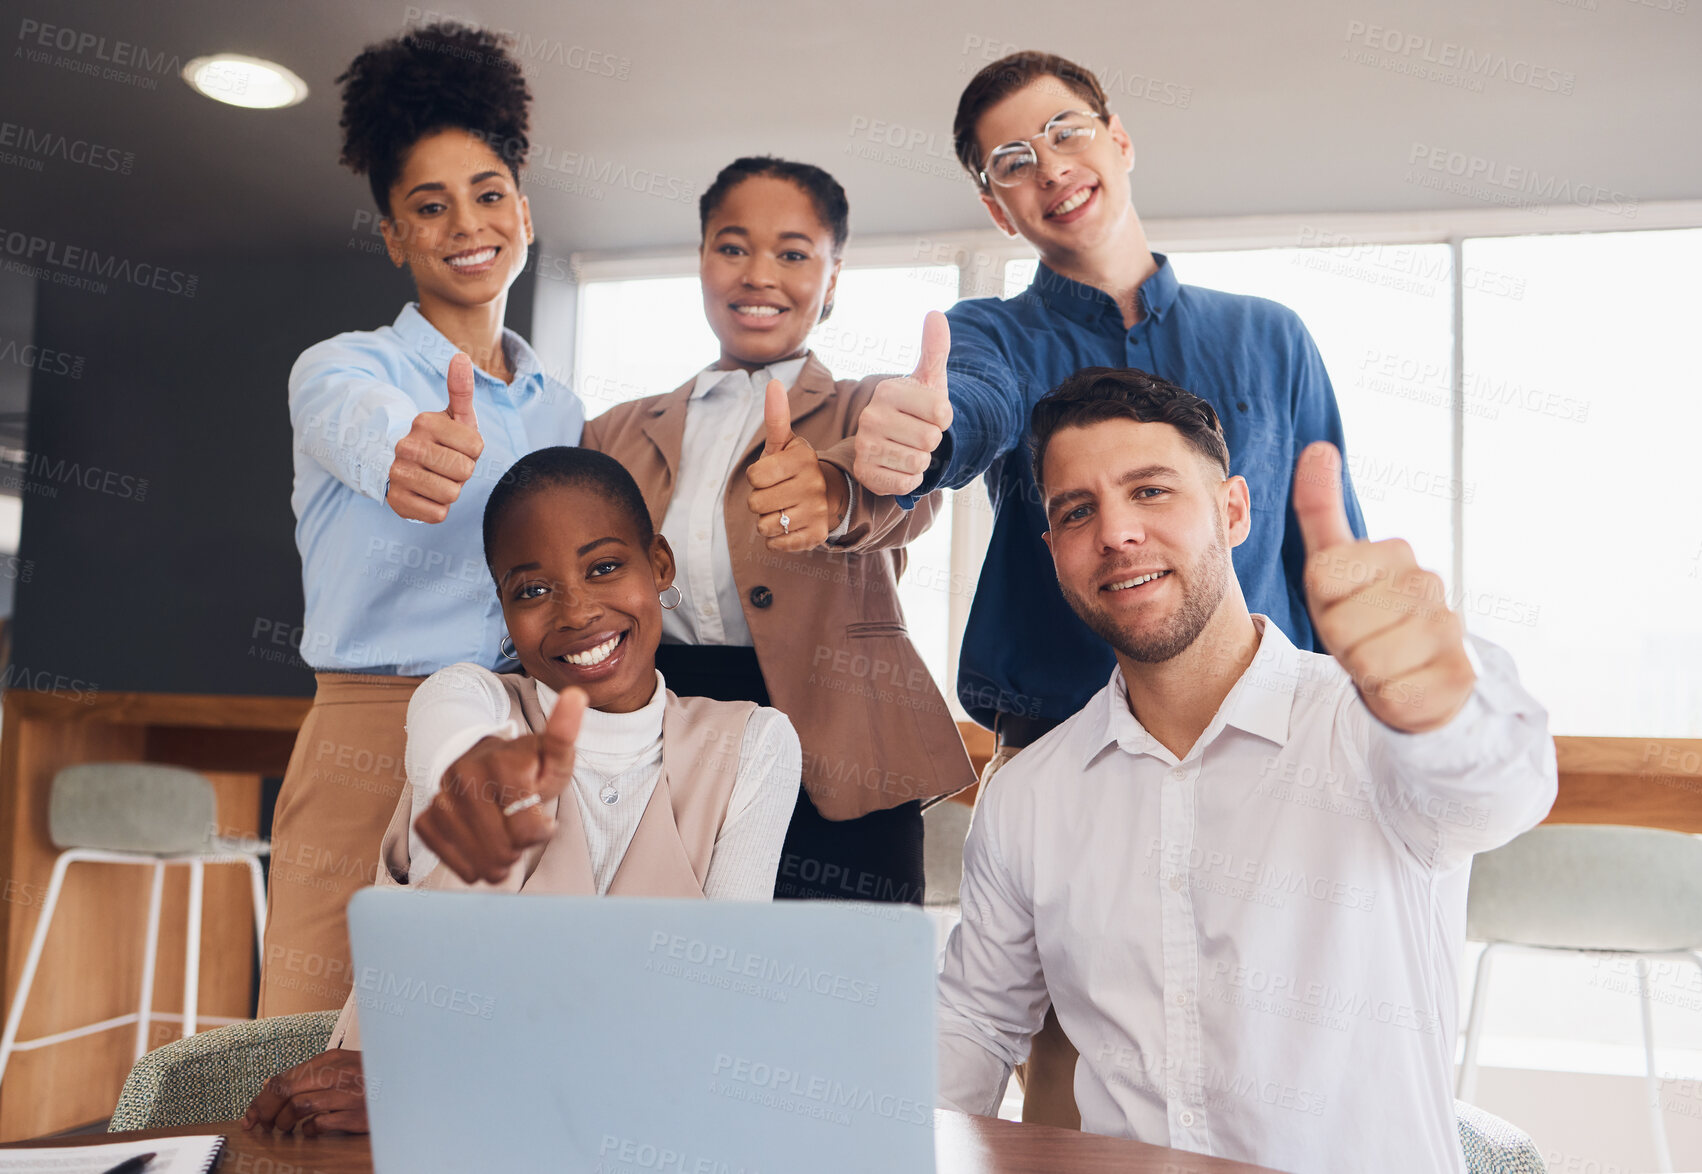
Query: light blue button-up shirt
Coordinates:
[384,594]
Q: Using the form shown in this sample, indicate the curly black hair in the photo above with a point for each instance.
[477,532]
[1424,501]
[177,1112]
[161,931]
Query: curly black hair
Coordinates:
[440,76]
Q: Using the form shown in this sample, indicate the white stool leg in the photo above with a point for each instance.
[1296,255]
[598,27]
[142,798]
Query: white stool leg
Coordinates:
[33,959]
[150,954]
[192,948]
[1465,1086]
[257,882]
[1663,1156]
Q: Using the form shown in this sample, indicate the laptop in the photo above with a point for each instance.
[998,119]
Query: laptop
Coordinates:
[637,1036]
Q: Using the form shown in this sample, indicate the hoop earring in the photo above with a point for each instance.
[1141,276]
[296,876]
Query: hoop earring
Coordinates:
[678,595]
[504,647]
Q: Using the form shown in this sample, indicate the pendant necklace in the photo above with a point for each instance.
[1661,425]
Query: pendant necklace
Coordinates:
[609,793]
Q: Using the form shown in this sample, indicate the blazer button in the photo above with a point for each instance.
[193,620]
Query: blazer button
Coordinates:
[761,597]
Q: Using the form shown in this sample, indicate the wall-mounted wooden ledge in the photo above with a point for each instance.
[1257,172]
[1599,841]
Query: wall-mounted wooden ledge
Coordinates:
[152,709]
[1642,782]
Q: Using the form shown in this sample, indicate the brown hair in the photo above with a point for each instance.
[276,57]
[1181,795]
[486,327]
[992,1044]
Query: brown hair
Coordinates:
[1096,394]
[1006,76]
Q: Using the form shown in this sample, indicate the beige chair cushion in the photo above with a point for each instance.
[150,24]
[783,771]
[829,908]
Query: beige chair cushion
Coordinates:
[133,807]
[1590,887]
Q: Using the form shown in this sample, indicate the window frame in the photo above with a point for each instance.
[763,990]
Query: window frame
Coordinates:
[981,255]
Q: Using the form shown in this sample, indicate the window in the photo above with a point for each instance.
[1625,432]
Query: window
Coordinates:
[1381,316]
[1557,501]
[639,337]
[1578,540]
[645,336]
[1583,540]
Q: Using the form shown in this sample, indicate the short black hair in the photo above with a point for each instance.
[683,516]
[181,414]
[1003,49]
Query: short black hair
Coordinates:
[832,208]
[566,467]
[1094,394]
[443,76]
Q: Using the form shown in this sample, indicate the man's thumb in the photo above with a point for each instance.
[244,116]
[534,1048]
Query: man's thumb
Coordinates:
[1318,498]
[936,349]
[560,733]
[777,418]
[461,391]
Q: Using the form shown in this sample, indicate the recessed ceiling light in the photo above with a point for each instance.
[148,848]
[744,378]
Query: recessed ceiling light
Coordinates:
[244,81]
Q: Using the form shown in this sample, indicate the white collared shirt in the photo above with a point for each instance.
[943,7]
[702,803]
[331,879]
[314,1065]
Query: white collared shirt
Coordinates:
[456,706]
[1254,948]
[723,417]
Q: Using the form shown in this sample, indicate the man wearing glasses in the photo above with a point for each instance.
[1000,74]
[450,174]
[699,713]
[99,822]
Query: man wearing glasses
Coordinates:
[1052,165]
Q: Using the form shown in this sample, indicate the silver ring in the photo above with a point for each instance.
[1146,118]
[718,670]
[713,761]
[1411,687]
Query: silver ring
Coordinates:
[785,524]
[519,805]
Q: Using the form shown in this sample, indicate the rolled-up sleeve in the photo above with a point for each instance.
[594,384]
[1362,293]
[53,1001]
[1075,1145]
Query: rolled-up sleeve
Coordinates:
[992,994]
[347,415]
[989,410]
[1475,783]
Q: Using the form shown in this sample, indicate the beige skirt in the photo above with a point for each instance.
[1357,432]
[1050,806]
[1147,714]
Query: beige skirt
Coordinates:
[339,791]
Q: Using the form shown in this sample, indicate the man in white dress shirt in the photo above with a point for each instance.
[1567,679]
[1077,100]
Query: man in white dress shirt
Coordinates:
[1239,873]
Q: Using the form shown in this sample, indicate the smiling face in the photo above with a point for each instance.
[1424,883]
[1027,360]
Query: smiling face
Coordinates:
[767,268]
[1140,525]
[457,220]
[579,592]
[1073,204]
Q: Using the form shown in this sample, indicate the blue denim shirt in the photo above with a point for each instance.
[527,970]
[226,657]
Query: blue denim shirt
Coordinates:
[385,594]
[1024,650]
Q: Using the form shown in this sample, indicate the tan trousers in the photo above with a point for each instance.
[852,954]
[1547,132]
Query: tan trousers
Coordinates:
[1048,1078]
[345,775]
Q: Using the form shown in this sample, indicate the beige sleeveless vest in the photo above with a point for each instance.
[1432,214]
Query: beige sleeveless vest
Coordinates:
[670,850]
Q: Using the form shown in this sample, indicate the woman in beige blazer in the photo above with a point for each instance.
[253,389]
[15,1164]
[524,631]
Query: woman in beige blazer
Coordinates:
[808,621]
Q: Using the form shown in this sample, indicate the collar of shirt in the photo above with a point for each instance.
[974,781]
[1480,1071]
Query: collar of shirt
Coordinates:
[616,735]
[787,372]
[1087,305]
[1260,703]
[411,326]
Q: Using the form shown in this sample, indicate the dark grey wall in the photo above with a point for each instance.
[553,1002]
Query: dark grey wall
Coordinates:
[156,522]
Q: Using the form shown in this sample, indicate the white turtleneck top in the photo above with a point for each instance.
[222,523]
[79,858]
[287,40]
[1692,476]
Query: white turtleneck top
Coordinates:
[458,705]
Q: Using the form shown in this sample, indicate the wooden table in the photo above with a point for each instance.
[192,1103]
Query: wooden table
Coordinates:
[962,1145]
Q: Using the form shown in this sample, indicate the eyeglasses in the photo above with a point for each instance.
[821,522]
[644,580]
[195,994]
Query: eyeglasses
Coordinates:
[1067,133]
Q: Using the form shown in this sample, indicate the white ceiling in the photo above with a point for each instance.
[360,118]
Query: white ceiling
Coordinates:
[1236,107]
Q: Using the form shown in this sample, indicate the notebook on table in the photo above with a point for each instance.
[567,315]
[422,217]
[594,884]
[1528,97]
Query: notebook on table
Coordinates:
[172,1155]
[631,1036]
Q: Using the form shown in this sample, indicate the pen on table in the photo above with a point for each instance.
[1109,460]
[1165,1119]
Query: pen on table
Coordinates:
[133,1165]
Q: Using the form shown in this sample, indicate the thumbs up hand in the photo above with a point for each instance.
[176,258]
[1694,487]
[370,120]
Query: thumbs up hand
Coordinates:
[1382,617]
[797,499]
[469,825]
[906,418]
[436,458]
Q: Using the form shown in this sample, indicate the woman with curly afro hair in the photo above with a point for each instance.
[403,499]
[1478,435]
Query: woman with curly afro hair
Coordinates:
[400,435]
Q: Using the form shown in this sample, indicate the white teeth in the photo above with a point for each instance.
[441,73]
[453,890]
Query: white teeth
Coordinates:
[758,311]
[1136,582]
[471,259]
[1074,202]
[595,655]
